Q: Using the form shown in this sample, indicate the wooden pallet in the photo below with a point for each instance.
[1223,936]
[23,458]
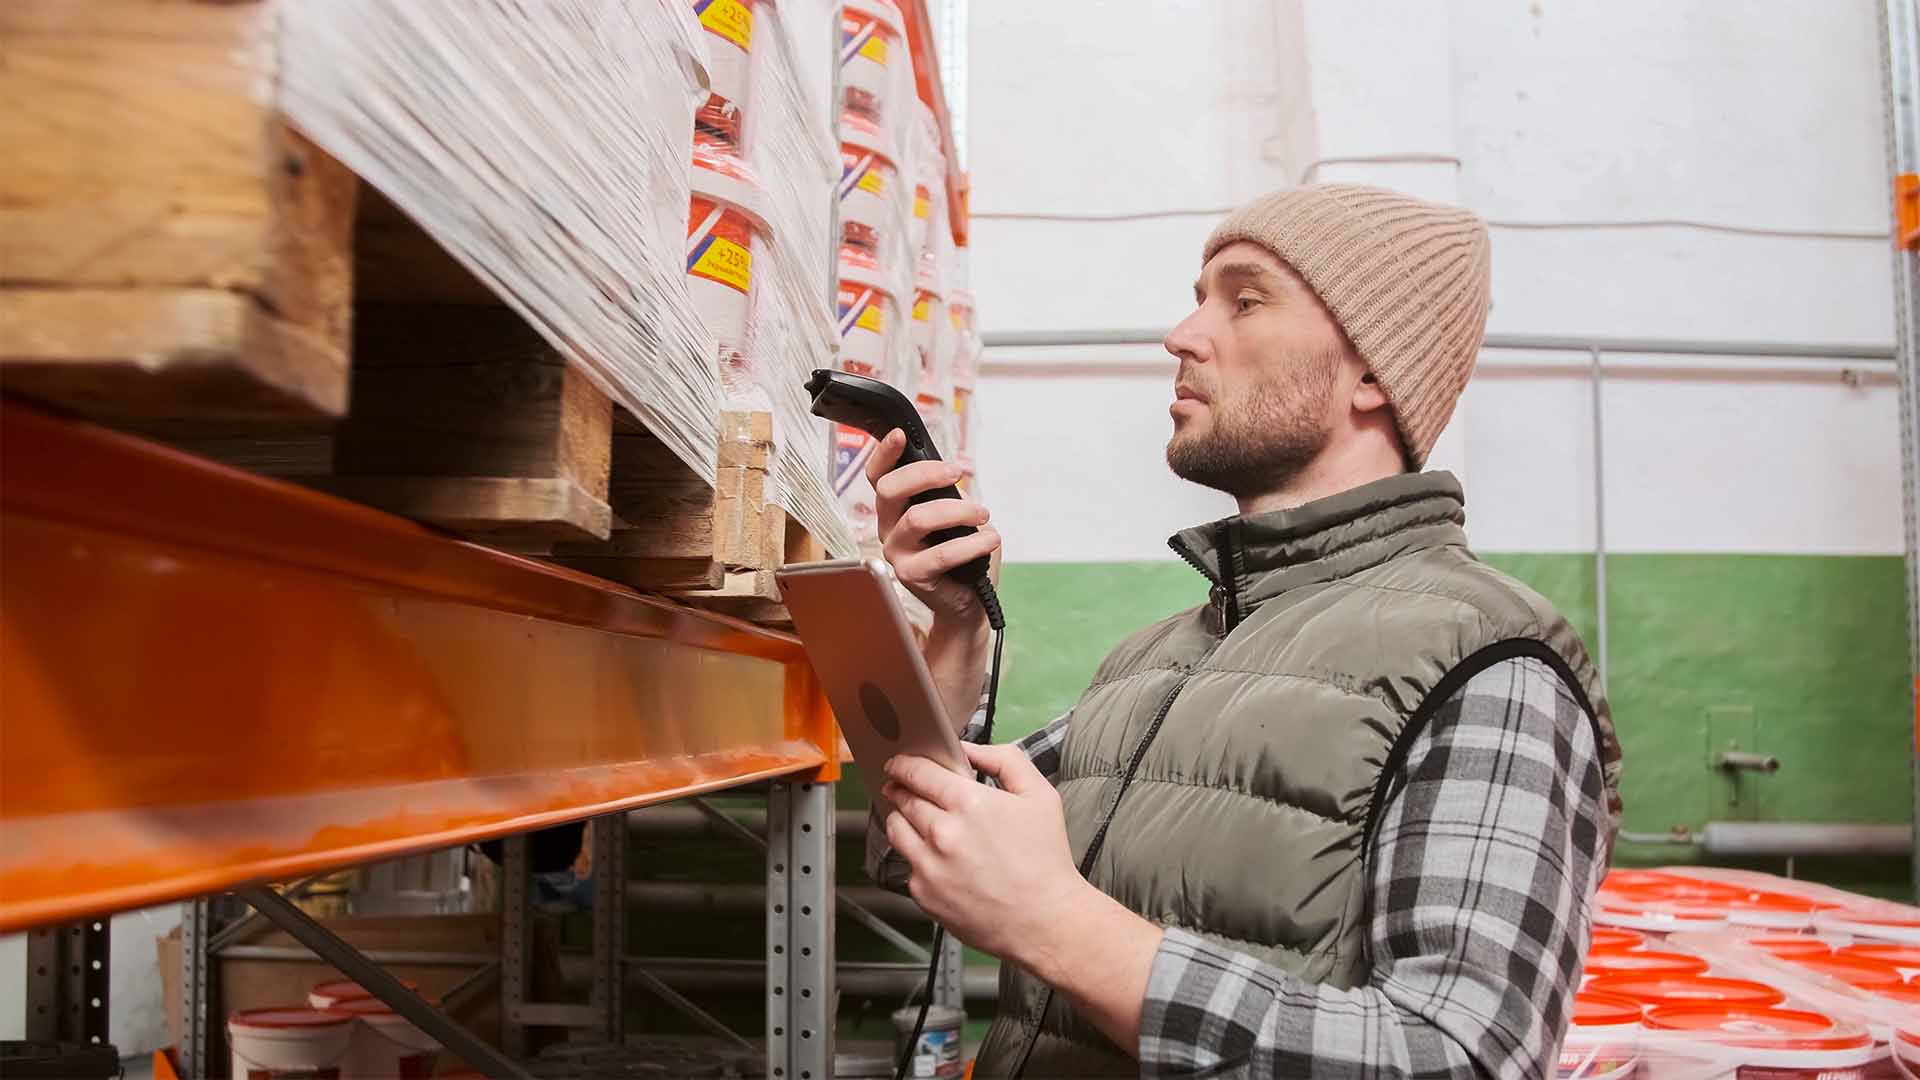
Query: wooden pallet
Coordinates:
[181,263]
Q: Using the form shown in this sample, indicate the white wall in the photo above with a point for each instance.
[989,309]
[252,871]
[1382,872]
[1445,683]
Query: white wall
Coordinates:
[1764,114]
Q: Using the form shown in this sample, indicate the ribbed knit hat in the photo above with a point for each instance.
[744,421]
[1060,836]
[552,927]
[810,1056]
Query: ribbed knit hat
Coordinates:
[1406,279]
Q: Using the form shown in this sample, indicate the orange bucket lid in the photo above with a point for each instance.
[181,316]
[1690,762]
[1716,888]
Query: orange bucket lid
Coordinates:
[347,988]
[1592,1009]
[1906,956]
[1689,990]
[1861,971]
[1792,946]
[1604,962]
[372,1006]
[282,1017]
[1759,1026]
[1614,937]
[1626,879]
[1875,917]
[1905,993]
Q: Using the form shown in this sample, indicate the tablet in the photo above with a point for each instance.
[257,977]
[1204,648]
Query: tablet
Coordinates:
[862,647]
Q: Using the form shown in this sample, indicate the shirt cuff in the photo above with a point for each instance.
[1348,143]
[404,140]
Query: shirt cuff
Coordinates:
[1204,1006]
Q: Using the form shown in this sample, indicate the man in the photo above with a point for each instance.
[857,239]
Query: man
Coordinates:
[1346,818]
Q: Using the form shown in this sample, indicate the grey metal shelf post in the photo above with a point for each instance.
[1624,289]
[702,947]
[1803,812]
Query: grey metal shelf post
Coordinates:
[801,997]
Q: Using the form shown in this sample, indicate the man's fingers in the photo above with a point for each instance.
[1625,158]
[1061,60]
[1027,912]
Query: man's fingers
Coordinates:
[910,531]
[1008,764]
[884,455]
[909,480]
[918,811]
[908,843]
[934,561]
[920,776]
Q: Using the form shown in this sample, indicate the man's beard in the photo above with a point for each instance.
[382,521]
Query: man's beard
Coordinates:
[1264,439]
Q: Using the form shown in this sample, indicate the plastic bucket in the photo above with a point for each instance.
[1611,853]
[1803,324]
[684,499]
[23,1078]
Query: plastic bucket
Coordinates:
[1906,1050]
[729,26]
[1901,928]
[1864,972]
[1613,937]
[1601,1042]
[1792,947]
[937,1054]
[331,995]
[725,230]
[932,342]
[867,316]
[1904,958]
[290,1041]
[1755,1043]
[872,42]
[386,1045]
[1664,990]
[868,178]
[1604,962]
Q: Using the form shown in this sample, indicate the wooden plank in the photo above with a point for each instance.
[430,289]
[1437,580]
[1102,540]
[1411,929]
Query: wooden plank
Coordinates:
[143,153]
[464,417]
[395,261]
[158,354]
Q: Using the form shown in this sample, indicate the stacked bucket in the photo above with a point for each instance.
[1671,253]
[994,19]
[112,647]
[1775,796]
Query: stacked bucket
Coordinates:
[342,1033]
[1706,973]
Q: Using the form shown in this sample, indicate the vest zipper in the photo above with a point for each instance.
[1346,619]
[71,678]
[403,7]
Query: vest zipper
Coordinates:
[1230,575]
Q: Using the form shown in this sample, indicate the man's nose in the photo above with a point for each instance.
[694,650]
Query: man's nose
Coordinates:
[1186,342]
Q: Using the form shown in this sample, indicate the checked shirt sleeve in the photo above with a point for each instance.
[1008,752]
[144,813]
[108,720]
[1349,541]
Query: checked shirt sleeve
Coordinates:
[886,866]
[1482,879]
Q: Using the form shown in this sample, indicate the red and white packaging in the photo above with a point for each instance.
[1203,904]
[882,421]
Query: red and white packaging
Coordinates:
[1747,1042]
[869,317]
[869,181]
[727,231]
[1602,1040]
[875,67]
[729,27]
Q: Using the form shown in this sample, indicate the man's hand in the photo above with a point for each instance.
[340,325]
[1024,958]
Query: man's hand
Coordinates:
[905,529]
[993,866]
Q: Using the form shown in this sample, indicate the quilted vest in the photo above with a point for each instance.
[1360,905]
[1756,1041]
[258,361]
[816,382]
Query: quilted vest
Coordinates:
[1222,773]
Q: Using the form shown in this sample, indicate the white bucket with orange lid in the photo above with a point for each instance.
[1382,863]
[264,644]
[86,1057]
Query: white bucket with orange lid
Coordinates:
[1602,1038]
[290,1041]
[1742,1042]
[873,58]
[1892,923]
[332,994]
[868,316]
[1904,958]
[1906,1049]
[726,229]
[386,1045]
[868,179]
[729,27]
[932,338]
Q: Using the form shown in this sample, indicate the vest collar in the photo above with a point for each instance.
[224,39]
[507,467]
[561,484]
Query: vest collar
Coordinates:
[1254,558]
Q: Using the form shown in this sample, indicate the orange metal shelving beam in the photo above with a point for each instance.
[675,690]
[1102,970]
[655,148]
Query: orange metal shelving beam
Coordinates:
[208,678]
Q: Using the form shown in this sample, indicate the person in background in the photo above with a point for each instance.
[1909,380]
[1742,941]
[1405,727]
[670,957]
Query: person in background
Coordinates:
[1347,817]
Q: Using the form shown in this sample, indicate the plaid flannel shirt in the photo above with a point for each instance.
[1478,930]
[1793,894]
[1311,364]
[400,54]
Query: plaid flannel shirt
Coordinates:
[1482,876]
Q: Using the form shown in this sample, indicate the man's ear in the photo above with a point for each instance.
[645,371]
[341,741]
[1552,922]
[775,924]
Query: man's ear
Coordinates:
[1368,394]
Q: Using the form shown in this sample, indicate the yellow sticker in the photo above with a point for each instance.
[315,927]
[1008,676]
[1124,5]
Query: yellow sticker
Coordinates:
[875,49]
[920,311]
[871,319]
[731,20]
[873,181]
[725,262]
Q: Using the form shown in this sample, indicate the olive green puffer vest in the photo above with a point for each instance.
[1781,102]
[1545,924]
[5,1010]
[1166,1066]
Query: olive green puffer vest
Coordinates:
[1226,763]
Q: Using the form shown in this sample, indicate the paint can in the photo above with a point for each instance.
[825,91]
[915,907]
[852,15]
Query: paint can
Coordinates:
[289,1041]
[868,179]
[872,44]
[938,1053]
[729,27]
[334,993]
[726,229]
[1602,1038]
[1740,1042]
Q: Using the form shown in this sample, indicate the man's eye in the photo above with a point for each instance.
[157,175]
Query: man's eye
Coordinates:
[1244,304]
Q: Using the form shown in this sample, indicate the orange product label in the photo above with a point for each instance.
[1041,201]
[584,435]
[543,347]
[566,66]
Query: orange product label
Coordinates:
[729,19]
[718,245]
[922,202]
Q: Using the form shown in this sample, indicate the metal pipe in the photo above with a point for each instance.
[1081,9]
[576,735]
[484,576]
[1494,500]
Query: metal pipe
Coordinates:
[1598,383]
[1695,366]
[1777,838]
[880,980]
[1538,342]
[389,957]
[1746,761]
[681,821]
[683,898]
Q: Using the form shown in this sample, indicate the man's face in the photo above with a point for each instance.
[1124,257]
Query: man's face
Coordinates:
[1259,359]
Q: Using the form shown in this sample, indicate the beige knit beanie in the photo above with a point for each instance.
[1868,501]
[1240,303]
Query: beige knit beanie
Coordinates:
[1406,279]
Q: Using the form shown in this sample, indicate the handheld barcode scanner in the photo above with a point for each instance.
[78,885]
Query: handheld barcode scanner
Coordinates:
[877,408]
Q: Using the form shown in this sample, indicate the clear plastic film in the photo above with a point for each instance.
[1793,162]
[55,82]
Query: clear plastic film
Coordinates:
[544,144]
[1772,992]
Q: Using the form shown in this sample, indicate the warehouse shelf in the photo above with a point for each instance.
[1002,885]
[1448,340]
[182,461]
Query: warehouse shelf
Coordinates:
[212,678]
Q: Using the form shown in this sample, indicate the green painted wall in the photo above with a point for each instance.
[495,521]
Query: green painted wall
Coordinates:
[1799,656]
